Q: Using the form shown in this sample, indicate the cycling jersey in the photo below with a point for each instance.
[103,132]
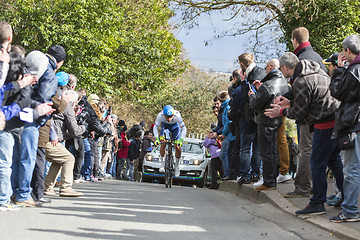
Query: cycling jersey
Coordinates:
[175,126]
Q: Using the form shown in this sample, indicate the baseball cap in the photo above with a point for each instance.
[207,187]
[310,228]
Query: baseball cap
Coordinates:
[93,98]
[36,63]
[63,78]
[333,59]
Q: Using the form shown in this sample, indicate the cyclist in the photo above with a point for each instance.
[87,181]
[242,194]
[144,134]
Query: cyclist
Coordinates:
[171,120]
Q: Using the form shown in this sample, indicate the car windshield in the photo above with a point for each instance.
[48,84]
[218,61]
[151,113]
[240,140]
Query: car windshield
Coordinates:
[192,148]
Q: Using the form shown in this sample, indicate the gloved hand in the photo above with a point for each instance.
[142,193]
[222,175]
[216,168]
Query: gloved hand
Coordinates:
[157,141]
[179,142]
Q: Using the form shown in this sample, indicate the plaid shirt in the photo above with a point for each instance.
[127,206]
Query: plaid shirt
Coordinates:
[312,101]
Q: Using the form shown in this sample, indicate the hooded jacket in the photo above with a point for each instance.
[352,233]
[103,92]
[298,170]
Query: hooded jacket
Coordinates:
[312,100]
[345,86]
[274,84]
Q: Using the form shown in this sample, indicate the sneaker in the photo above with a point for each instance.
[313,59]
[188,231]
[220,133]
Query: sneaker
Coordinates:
[332,196]
[44,200]
[255,178]
[283,178]
[28,203]
[80,180]
[243,180]
[50,192]
[9,206]
[342,218]
[226,178]
[312,209]
[94,179]
[70,192]
[263,188]
[336,202]
[259,183]
[294,194]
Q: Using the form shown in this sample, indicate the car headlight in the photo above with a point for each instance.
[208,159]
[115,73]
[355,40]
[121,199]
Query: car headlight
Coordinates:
[149,158]
[197,162]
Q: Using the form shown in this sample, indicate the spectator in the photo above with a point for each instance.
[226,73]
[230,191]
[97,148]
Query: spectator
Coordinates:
[65,126]
[24,165]
[147,142]
[249,138]
[226,136]
[123,151]
[312,104]
[216,165]
[272,85]
[345,86]
[303,50]
[133,155]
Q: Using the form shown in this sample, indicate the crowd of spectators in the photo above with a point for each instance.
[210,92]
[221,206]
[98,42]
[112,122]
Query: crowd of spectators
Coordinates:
[323,101]
[53,134]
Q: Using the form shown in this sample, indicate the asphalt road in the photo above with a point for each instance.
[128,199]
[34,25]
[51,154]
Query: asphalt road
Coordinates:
[128,210]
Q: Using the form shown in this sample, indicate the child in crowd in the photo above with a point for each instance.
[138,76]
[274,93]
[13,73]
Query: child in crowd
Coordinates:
[216,165]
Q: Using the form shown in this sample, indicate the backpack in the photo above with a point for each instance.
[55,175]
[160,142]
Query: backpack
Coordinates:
[294,155]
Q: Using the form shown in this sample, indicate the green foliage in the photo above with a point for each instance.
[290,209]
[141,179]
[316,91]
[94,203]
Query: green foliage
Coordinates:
[122,46]
[328,21]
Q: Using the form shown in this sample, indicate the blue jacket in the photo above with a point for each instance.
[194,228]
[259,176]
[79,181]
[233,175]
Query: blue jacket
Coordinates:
[10,110]
[226,132]
[45,89]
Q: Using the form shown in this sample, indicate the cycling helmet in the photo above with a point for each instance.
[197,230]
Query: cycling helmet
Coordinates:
[168,111]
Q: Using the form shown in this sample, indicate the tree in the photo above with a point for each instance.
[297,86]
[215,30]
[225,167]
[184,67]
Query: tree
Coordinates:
[329,21]
[122,46]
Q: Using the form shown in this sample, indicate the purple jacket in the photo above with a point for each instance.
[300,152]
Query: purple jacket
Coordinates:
[213,148]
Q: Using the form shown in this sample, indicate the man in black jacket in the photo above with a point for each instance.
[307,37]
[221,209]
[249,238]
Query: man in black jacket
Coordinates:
[248,128]
[345,86]
[133,154]
[272,85]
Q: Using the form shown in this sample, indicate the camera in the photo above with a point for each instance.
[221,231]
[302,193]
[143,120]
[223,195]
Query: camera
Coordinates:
[231,78]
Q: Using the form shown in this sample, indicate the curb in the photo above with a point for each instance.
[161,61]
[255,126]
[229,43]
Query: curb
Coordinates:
[275,198]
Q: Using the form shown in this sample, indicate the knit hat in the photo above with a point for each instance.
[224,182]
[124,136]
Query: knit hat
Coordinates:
[121,123]
[63,78]
[142,123]
[36,63]
[93,98]
[58,52]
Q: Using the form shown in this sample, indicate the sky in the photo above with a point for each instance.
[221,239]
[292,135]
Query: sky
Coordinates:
[220,55]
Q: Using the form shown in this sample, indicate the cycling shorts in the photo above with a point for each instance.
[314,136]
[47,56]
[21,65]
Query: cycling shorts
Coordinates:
[174,129]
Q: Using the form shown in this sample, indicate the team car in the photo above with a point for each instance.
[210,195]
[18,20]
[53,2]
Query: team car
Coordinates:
[194,164]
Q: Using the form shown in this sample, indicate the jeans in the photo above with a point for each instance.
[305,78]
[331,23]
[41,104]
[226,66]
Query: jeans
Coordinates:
[129,172]
[120,162]
[24,159]
[86,169]
[224,156]
[6,155]
[95,157]
[37,181]
[268,153]
[76,147]
[352,180]
[234,164]
[247,160]
[325,152]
